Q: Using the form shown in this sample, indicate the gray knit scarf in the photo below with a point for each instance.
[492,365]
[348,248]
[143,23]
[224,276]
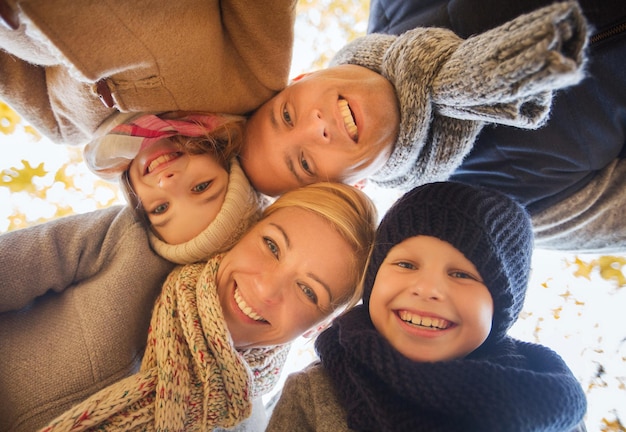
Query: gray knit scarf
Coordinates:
[448,88]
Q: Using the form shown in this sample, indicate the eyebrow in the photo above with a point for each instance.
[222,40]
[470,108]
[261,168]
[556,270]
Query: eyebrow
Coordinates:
[203,201]
[288,159]
[309,274]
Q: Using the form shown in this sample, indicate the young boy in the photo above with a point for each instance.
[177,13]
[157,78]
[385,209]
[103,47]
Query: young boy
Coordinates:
[428,350]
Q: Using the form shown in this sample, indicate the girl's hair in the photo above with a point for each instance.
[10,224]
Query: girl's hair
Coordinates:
[350,212]
[224,142]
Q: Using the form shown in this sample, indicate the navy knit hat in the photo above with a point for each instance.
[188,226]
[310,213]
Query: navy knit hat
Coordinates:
[490,229]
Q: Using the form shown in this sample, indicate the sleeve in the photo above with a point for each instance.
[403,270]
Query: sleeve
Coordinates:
[589,221]
[57,254]
[295,410]
[263,34]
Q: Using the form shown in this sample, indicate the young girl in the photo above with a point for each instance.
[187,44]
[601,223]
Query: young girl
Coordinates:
[429,350]
[297,267]
[180,175]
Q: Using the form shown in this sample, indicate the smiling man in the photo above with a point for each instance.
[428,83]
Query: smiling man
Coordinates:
[337,124]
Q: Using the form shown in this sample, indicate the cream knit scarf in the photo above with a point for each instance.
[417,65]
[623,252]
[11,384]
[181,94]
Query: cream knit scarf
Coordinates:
[191,377]
[448,88]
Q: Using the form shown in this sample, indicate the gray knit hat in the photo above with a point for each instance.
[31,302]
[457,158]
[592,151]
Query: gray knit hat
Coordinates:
[242,208]
[489,228]
[448,88]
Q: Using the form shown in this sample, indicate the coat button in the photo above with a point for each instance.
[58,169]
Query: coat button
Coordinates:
[104,93]
[8,17]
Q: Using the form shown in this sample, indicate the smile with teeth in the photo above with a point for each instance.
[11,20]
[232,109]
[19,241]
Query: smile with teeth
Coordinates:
[348,119]
[425,322]
[161,160]
[247,310]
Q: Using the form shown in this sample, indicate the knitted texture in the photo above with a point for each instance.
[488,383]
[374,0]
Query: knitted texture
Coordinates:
[512,386]
[448,88]
[241,208]
[191,377]
[490,229]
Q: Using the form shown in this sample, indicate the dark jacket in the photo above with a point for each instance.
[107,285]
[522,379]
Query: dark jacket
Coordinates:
[562,172]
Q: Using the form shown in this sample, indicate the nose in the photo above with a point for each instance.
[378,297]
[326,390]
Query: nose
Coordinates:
[317,128]
[429,287]
[269,287]
[167,180]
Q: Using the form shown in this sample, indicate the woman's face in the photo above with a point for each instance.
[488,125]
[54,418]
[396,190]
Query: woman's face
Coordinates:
[282,278]
[181,193]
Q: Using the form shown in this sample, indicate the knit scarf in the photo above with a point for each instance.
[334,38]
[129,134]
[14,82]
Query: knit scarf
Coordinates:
[511,385]
[448,88]
[191,377]
[121,137]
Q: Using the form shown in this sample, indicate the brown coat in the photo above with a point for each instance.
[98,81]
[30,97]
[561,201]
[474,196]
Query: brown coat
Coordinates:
[203,55]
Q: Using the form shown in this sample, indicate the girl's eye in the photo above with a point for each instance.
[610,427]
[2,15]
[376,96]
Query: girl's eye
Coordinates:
[308,292]
[405,265]
[160,209]
[201,187]
[273,248]
[287,117]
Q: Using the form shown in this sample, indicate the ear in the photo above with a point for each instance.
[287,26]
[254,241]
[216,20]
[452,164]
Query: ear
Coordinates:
[320,327]
[360,185]
[299,77]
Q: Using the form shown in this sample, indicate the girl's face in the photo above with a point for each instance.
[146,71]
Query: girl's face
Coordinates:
[283,277]
[181,193]
[429,301]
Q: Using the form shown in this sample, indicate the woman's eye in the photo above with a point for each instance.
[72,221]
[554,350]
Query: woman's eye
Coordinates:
[273,248]
[308,292]
[305,166]
[161,208]
[287,117]
[201,187]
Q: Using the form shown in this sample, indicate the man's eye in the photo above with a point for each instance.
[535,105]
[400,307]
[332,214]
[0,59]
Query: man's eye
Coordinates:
[273,248]
[161,208]
[308,291]
[201,187]
[287,117]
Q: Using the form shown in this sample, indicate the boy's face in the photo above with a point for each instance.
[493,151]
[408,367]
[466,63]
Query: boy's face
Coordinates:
[337,124]
[283,277]
[429,301]
[181,193]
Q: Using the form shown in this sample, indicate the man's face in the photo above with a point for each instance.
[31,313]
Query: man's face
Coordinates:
[337,124]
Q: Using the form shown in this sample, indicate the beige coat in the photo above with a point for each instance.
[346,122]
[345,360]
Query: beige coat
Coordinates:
[204,55]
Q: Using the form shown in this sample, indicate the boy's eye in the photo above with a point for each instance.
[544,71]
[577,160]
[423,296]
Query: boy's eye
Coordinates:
[273,247]
[308,291]
[462,275]
[161,208]
[405,265]
[201,187]
[287,117]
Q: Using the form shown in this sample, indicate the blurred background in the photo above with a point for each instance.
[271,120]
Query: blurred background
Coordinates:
[574,303]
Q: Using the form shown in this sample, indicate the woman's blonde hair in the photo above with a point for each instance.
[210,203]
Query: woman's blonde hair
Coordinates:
[350,212]
[224,142]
